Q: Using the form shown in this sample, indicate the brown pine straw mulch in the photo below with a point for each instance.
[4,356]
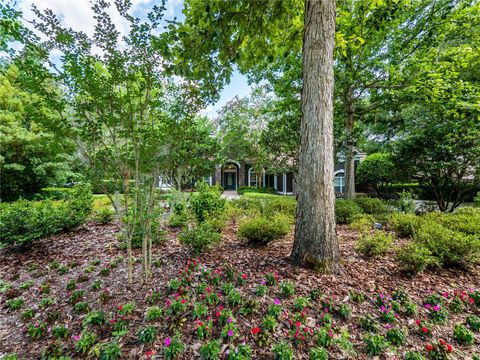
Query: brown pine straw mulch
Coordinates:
[92,241]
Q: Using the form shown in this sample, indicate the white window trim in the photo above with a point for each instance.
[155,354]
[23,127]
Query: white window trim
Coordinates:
[342,186]
[250,177]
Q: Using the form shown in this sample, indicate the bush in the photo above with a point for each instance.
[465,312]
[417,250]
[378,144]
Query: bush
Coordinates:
[476,200]
[372,206]
[199,239]
[53,193]
[375,244]
[178,218]
[24,221]
[207,202]
[362,223]
[261,230]
[157,234]
[255,189]
[346,211]
[451,248]
[103,216]
[403,224]
[377,170]
[415,258]
[466,220]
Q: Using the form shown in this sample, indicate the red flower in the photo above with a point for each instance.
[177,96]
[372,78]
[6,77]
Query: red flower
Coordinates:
[429,347]
[244,276]
[255,330]
[424,330]
[442,342]
[149,354]
[449,348]
[417,322]
[297,324]
[120,307]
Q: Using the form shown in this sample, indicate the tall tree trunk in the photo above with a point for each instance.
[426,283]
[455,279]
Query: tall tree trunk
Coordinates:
[316,244]
[350,155]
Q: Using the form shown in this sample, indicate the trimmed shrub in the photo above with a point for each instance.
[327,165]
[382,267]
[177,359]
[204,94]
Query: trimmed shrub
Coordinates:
[346,211]
[207,202]
[374,244]
[372,206]
[403,224]
[362,223]
[54,193]
[199,239]
[451,248]
[261,230]
[24,221]
[255,189]
[466,220]
[103,216]
[415,258]
[377,170]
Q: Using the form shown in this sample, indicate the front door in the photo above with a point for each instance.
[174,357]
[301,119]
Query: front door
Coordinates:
[230,181]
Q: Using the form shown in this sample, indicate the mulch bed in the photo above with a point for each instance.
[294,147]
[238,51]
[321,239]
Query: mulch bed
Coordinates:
[77,249]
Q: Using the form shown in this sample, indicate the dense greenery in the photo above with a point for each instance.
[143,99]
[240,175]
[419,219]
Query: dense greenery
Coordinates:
[23,221]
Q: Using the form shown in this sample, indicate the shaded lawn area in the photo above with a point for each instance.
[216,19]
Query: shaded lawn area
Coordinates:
[84,255]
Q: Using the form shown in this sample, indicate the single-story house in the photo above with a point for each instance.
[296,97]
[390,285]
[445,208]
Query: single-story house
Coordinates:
[233,173]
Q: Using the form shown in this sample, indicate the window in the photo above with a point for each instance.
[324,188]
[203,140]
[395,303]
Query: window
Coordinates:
[339,182]
[252,178]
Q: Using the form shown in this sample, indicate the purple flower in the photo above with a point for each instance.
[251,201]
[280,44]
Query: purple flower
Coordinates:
[229,320]
[264,282]
[76,337]
[436,308]
[167,342]
[428,306]
[230,332]
[276,302]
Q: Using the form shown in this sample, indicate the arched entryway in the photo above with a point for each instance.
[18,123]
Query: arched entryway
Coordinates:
[230,175]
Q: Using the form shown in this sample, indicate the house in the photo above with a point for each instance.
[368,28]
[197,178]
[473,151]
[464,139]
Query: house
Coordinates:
[233,173]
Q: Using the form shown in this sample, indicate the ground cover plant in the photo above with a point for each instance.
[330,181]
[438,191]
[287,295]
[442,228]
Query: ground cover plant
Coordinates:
[225,303]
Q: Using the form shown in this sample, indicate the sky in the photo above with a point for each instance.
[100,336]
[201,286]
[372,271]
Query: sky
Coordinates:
[78,15]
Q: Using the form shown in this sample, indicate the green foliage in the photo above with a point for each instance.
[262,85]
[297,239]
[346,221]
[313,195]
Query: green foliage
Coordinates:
[153,313]
[362,223]
[262,230]
[403,224]
[173,348]
[318,353]
[255,189]
[34,155]
[147,335]
[396,336]
[23,221]
[287,288]
[377,171]
[346,211]
[476,200]
[200,238]
[473,322]
[372,206]
[103,216]
[206,202]
[375,345]
[463,335]
[110,351]
[451,248]
[282,351]
[374,244]
[415,258]
[210,350]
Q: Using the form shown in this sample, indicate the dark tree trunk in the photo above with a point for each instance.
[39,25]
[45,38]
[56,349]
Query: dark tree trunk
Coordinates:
[316,244]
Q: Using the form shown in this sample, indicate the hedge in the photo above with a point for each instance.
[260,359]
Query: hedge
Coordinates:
[24,221]
[255,189]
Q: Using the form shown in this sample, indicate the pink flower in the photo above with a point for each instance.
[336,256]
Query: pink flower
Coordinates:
[229,320]
[276,301]
[167,342]
[184,301]
[428,306]
[436,308]
[230,332]
[76,337]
